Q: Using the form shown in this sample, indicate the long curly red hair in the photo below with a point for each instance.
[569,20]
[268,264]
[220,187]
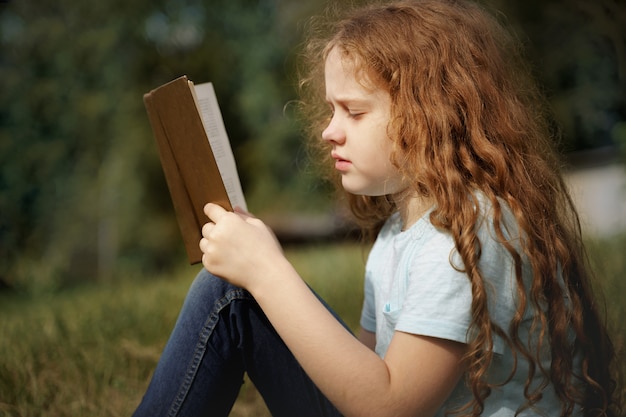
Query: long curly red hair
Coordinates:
[467,118]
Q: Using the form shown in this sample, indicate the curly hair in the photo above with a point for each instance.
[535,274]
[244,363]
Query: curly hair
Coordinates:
[467,118]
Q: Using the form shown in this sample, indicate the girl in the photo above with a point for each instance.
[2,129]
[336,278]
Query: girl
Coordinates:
[477,292]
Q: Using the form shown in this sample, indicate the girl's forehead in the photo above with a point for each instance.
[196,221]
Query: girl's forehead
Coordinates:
[351,64]
[337,53]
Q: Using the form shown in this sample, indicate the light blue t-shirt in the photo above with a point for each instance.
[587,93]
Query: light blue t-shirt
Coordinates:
[412,286]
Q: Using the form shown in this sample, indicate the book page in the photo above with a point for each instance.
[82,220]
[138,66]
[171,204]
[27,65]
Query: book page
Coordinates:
[209,110]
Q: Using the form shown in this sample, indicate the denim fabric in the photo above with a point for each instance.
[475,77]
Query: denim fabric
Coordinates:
[220,334]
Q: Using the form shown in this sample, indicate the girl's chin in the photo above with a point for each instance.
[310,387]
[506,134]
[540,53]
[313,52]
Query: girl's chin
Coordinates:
[369,190]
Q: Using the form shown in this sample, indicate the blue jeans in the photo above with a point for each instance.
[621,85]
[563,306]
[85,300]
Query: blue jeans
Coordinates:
[221,333]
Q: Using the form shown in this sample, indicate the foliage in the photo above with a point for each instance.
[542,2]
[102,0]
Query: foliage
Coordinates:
[81,188]
[578,49]
[82,195]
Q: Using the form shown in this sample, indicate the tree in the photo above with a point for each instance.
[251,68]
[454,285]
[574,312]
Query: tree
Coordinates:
[578,49]
[82,194]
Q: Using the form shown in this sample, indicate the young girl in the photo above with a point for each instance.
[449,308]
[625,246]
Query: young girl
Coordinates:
[477,292]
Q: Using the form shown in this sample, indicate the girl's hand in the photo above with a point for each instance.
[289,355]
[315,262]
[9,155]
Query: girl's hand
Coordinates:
[238,247]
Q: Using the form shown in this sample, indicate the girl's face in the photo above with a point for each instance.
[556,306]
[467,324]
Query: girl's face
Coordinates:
[357,131]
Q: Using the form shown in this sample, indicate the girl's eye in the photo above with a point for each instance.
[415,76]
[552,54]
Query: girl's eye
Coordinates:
[354,114]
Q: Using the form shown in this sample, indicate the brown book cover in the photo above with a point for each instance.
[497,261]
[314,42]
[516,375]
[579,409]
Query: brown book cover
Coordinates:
[182,117]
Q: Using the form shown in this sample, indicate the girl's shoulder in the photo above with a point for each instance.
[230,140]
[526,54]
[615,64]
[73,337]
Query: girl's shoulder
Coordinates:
[393,228]
[489,230]
[492,228]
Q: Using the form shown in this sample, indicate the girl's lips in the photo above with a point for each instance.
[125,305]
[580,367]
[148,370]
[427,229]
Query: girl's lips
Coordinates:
[340,163]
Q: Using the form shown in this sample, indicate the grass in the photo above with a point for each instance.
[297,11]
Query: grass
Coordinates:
[90,351]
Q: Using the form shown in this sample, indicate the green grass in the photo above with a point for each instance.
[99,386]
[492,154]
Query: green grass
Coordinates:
[84,352]
[90,351]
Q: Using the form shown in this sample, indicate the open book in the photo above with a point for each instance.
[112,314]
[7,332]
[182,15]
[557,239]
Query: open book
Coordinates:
[195,153]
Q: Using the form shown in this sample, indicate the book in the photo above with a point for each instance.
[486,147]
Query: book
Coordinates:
[195,153]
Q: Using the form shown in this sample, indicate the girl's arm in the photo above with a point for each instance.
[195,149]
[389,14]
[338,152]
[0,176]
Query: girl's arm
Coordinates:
[367,338]
[415,377]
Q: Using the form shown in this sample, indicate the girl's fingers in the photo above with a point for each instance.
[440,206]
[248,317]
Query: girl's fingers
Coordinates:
[241,211]
[203,245]
[206,229]
[214,211]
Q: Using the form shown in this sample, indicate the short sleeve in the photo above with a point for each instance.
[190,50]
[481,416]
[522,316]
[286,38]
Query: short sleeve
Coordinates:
[438,296]
[368,313]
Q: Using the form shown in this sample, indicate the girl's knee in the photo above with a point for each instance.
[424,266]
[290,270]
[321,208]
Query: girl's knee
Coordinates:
[207,289]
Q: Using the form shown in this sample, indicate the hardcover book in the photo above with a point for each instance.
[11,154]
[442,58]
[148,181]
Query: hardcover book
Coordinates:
[195,153]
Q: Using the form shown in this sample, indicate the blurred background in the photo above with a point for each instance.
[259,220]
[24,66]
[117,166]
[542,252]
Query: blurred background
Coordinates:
[92,265]
[82,194]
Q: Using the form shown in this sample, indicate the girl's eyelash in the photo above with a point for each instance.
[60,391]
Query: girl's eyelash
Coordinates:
[351,114]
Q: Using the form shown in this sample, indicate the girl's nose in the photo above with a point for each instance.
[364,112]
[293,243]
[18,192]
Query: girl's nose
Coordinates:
[334,132]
